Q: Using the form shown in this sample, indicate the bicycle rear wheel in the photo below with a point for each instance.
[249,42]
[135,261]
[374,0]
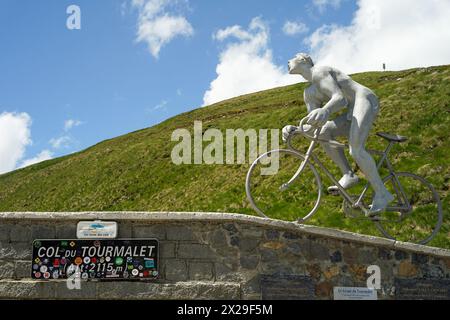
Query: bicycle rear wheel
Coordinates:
[422,221]
[269,195]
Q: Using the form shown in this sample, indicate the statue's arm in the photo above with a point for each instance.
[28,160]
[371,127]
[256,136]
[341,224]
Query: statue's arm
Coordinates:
[330,87]
[310,101]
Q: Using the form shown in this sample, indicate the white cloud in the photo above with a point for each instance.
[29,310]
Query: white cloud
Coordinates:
[15,136]
[292,28]
[323,4]
[61,142]
[161,105]
[71,123]
[42,156]
[157,27]
[246,64]
[402,34]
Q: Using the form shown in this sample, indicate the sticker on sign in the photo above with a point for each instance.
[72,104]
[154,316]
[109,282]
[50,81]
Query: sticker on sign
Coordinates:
[97,230]
[350,293]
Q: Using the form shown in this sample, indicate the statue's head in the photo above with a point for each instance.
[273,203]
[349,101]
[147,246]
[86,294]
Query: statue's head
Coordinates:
[300,61]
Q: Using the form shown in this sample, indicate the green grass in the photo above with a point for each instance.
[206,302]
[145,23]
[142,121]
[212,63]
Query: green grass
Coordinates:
[134,172]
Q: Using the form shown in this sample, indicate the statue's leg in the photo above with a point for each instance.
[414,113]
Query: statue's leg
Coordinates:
[364,113]
[339,127]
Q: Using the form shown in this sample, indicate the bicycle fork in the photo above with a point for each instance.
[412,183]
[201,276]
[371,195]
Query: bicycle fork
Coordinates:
[302,167]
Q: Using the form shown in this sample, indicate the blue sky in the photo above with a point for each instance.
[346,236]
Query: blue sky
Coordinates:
[106,83]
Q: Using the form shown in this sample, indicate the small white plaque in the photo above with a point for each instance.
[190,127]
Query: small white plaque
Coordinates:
[349,293]
[97,230]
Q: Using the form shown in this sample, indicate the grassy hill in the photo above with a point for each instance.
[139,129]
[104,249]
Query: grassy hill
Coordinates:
[134,172]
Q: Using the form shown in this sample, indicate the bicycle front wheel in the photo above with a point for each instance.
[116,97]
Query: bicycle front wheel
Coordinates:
[421,221]
[272,191]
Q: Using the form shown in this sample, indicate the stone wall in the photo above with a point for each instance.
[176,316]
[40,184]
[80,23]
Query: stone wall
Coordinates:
[226,256]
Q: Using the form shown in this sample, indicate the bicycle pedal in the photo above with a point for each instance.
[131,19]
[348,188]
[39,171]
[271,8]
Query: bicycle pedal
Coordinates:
[375,219]
[334,192]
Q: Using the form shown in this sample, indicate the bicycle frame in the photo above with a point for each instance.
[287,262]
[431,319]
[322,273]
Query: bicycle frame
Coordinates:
[310,156]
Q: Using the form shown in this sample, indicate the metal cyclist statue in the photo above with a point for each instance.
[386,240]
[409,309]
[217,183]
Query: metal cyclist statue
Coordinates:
[331,91]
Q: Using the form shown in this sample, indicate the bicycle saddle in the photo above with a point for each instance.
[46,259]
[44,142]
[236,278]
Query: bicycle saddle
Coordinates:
[392,137]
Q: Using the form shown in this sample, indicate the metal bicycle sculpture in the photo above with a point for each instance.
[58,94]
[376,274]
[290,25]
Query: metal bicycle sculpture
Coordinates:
[414,216]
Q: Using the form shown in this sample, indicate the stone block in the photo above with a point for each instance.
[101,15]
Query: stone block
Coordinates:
[250,262]
[15,250]
[319,251]
[235,240]
[331,272]
[167,249]
[176,270]
[252,285]
[407,270]
[336,257]
[194,251]
[296,249]
[66,231]
[157,231]
[6,269]
[4,231]
[366,256]
[358,272]
[324,290]
[274,245]
[248,244]
[314,271]
[272,235]
[269,256]
[20,233]
[22,269]
[384,254]
[227,272]
[231,228]
[125,231]
[42,231]
[88,290]
[401,255]
[201,271]
[218,239]
[180,233]
[13,289]
[291,235]
[252,232]
[350,254]
[419,259]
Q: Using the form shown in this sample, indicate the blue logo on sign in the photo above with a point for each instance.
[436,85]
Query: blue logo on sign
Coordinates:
[97,226]
[150,264]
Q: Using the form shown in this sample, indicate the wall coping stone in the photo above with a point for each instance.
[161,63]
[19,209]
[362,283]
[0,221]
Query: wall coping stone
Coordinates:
[118,290]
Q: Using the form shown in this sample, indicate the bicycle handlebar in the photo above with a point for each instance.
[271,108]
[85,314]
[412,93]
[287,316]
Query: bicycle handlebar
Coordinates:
[315,136]
[302,125]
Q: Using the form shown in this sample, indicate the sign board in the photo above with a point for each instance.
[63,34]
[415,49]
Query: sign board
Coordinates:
[286,287]
[135,259]
[349,293]
[422,289]
[96,230]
